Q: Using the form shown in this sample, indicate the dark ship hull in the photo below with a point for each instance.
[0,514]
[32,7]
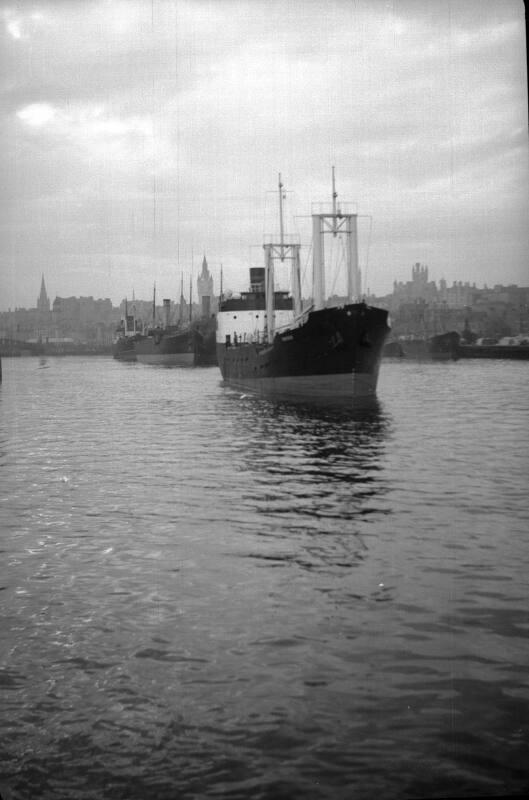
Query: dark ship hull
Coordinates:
[194,346]
[517,352]
[334,355]
[205,343]
[443,347]
[392,349]
[123,349]
[206,351]
[171,349]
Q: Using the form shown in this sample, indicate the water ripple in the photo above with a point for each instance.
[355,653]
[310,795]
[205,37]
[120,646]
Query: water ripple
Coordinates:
[209,596]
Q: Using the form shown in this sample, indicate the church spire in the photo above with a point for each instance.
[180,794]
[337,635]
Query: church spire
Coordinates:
[43,303]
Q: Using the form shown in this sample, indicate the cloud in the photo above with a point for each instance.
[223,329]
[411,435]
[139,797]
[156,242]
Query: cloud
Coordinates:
[21,26]
[37,114]
[153,129]
[13,28]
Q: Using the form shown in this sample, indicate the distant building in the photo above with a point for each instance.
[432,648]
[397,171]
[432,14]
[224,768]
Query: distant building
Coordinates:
[85,319]
[41,323]
[458,295]
[43,302]
[417,306]
[419,288]
[421,307]
[205,290]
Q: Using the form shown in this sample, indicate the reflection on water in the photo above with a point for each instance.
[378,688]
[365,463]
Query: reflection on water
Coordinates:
[280,437]
[209,595]
[317,477]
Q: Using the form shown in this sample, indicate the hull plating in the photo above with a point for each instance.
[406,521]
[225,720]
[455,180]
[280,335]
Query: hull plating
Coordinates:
[312,388]
[123,349]
[494,351]
[128,354]
[169,350]
[167,359]
[443,347]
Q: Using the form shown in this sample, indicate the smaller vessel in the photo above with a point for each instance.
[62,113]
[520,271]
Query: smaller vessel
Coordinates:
[167,347]
[127,334]
[392,349]
[441,347]
[170,345]
[509,347]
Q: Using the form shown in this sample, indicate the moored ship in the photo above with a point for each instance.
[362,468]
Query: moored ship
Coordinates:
[127,334]
[123,349]
[205,342]
[441,347]
[170,345]
[509,347]
[269,345]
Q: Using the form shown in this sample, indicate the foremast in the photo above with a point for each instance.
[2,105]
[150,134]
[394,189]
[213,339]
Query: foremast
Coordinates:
[335,222]
[281,251]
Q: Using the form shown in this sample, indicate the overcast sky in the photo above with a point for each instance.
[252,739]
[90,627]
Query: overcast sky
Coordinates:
[137,136]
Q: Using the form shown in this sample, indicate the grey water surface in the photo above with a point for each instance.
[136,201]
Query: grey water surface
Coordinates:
[205,595]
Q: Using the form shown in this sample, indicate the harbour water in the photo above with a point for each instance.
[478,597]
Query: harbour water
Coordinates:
[204,595]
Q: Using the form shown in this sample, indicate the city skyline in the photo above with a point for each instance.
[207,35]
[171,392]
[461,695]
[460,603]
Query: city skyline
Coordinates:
[439,283]
[141,135]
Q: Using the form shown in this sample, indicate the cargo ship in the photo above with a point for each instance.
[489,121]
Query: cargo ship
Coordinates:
[128,332]
[441,347]
[268,344]
[205,342]
[166,345]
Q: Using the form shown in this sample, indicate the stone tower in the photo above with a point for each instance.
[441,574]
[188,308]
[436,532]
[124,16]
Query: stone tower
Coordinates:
[205,289]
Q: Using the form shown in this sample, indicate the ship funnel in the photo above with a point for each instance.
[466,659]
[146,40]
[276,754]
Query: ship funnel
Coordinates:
[166,311]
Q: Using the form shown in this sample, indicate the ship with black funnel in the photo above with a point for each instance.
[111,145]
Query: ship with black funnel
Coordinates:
[270,345]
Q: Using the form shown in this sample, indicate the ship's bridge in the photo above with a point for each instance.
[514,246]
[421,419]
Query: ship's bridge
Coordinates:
[245,319]
[248,301]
